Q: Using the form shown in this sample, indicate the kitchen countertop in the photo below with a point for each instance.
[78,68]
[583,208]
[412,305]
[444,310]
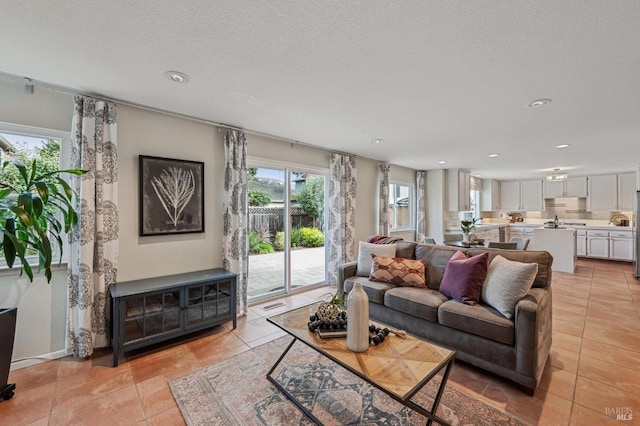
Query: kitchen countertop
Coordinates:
[541,225]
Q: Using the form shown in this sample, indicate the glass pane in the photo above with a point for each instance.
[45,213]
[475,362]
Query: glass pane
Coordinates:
[153,324]
[307,229]
[153,304]
[210,292]
[224,307]
[134,307]
[266,231]
[210,310]
[171,320]
[195,295]
[172,300]
[132,330]
[224,289]
[194,314]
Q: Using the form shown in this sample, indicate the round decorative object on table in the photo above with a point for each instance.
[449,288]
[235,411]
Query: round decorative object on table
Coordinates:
[358,324]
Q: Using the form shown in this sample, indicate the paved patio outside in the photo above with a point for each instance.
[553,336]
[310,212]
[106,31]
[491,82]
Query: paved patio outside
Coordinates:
[266,271]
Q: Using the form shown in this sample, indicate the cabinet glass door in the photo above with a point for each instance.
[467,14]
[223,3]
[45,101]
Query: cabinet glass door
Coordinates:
[202,303]
[151,315]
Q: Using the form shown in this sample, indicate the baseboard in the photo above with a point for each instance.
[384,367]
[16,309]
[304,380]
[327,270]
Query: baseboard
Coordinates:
[28,362]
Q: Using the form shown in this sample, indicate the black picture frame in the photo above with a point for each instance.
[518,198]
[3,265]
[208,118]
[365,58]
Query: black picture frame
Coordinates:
[171,196]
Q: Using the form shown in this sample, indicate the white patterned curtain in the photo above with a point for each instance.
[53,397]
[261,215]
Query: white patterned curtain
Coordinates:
[421,216]
[383,199]
[93,251]
[342,213]
[236,213]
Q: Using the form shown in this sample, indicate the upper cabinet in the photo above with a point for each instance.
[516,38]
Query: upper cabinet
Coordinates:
[531,195]
[603,193]
[458,189]
[571,187]
[510,195]
[521,195]
[627,191]
[490,195]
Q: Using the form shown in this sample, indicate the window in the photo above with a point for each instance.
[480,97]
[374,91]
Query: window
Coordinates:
[25,143]
[400,206]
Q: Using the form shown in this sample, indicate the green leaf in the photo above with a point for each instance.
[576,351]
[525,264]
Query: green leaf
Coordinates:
[23,216]
[23,171]
[67,189]
[34,167]
[43,191]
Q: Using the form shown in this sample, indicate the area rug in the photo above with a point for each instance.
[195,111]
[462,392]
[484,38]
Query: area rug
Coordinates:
[236,392]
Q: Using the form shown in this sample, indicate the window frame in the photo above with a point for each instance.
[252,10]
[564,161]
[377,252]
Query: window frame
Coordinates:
[411,203]
[65,146]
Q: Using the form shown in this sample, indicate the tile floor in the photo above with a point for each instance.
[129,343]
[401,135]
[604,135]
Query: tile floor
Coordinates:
[594,365]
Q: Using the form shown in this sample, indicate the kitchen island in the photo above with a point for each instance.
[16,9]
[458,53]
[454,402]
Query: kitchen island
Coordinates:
[561,243]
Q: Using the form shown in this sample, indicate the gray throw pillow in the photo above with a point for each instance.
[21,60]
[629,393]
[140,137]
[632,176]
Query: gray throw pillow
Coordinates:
[506,283]
[365,261]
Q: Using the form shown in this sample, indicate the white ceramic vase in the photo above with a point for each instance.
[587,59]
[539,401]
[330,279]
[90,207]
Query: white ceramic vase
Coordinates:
[465,237]
[358,319]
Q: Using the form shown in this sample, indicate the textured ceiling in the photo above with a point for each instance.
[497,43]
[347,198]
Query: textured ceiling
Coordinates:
[436,80]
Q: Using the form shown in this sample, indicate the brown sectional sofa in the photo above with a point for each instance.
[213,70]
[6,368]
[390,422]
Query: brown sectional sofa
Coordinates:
[516,348]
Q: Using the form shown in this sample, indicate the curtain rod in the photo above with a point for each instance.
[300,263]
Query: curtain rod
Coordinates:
[29,83]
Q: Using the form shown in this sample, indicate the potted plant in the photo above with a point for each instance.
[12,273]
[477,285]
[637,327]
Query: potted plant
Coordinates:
[467,226]
[30,208]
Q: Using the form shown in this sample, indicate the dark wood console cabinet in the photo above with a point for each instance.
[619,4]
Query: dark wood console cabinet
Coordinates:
[147,311]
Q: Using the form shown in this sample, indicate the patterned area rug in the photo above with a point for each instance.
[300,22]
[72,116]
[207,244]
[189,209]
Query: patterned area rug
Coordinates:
[236,392]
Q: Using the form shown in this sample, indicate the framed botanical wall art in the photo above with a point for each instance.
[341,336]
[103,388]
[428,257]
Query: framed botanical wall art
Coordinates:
[171,196]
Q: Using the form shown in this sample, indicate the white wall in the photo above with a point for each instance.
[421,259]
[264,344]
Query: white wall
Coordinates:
[42,306]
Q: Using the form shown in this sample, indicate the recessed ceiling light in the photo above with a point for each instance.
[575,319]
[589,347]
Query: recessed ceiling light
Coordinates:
[442,162]
[563,145]
[538,103]
[376,141]
[177,76]
[493,155]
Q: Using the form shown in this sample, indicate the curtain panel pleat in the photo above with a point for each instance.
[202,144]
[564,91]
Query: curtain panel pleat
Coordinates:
[342,211]
[93,248]
[421,216]
[236,214]
[383,199]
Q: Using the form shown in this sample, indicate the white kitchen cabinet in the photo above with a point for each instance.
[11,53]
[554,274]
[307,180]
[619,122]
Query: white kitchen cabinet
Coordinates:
[458,189]
[575,187]
[626,191]
[603,193]
[510,195]
[598,244]
[571,187]
[531,195]
[581,243]
[490,195]
[621,245]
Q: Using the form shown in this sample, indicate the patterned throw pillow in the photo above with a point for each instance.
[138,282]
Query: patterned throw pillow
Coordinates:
[398,271]
[507,282]
[463,277]
[365,250]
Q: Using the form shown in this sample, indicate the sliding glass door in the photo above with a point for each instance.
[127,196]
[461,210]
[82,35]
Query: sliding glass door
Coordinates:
[286,230]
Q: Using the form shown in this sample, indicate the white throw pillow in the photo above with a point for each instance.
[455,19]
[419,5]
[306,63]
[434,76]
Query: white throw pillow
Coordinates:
[506,283]
[365,250]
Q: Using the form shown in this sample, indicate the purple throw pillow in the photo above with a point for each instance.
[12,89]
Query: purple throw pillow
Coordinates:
[463,278]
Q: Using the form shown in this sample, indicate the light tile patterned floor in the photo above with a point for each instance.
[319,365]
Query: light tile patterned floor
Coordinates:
[594,364]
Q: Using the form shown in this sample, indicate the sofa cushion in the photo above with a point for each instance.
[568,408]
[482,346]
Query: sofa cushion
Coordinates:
[419,302]
[464,276]
[542,258]
[365,250]
[375,290]
[479,319]
[436,259]
[398,271]
[507,282]
[406,249]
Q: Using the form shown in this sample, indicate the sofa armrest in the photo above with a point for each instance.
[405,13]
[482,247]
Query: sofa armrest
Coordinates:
[345,270]
[533,331]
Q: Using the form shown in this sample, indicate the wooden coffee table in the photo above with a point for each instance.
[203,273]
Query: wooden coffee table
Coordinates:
[400,367]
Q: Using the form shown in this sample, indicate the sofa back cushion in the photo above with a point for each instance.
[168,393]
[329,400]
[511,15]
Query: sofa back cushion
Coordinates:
[365,250]
[436,259]
[406,249]
[542,258]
